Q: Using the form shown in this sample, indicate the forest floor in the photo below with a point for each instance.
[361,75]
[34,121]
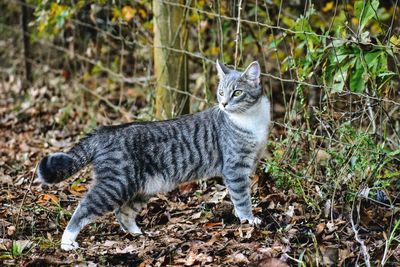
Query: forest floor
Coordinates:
[193,225]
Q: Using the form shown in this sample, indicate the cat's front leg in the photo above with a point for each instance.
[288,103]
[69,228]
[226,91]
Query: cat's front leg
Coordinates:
[239,191]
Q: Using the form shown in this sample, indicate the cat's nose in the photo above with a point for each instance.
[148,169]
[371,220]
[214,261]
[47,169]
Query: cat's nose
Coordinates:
[224,104]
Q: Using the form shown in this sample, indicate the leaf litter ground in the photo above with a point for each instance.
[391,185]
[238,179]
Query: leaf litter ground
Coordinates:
[193,225]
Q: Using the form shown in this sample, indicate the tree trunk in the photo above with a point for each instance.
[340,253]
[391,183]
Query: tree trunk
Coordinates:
[170,66]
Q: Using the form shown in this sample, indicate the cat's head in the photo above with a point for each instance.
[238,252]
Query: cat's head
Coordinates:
[238,91]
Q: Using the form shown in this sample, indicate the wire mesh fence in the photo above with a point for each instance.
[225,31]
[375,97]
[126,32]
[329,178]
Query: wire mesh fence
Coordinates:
[330,69]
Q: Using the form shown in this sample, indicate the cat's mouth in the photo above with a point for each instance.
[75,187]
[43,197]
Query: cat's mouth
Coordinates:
[231,110]
[222,107]
[226,108]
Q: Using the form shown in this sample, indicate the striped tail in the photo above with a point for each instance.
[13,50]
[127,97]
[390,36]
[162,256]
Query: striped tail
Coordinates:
[59,166]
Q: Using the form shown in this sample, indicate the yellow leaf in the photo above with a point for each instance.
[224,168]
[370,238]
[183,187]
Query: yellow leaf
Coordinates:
[128,13]
[354,21]
[214,50]
[394,40]
[46,197]
[116,14]
[78,187]
[280,152]
[376,29]
[142,13]
[56,9]
[288,21]
[328,7]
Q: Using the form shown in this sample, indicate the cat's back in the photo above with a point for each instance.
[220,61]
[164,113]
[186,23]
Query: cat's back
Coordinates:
[183,130]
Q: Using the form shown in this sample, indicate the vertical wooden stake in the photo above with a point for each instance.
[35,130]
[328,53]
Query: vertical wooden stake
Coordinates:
[170,61]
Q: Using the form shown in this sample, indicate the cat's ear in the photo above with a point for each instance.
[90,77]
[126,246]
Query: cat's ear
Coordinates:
[222,70]
[252,73]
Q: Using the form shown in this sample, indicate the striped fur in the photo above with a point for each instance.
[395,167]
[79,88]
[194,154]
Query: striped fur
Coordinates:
[133,161]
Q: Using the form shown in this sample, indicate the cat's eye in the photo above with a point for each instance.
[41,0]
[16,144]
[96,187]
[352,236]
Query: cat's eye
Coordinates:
[237,93]
[221,93]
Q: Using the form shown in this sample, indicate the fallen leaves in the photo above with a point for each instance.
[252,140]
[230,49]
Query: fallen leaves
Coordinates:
[213,224]
[78,189]
[44,198]
[194,225]
[320,227]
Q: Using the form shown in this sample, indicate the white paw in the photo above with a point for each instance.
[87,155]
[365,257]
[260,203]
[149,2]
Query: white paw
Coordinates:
[255,221]
[252,220]
[132,229]
[135,230]
[69,246]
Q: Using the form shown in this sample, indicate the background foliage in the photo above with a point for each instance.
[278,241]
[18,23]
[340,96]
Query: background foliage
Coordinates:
[330,69]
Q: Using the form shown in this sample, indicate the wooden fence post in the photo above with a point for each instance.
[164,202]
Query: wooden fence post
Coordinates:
[170,63]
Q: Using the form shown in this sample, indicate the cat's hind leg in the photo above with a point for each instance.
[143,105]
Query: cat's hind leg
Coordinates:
[127,212]
[102,198]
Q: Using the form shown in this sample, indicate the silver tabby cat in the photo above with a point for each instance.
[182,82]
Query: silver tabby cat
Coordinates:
[134,161]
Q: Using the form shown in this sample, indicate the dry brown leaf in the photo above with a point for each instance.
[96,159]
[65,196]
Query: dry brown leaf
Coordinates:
[320,227]
[331,226]
[215,237]
[240,258]
[218,196]
[128,249]
[11,230]
[49,236]
[190,259]
[48,197]
[109,243]
[196,215]
[6,179]
[213,224]
[290,211]
[322,156]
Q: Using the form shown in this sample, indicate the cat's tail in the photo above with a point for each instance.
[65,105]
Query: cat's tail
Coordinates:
[59,166]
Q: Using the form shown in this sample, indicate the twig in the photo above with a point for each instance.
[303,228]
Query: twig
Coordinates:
[388,243]
[371,113]
[364,249]
[237,33]
[26,43]
[26,193]
[111,105]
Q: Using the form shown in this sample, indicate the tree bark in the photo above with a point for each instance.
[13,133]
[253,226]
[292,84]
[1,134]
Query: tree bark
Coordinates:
[170,65]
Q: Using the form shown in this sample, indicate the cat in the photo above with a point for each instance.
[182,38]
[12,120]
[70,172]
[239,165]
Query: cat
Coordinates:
[134,161]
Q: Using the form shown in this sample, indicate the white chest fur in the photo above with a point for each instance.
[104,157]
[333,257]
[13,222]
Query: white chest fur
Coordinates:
[255,120]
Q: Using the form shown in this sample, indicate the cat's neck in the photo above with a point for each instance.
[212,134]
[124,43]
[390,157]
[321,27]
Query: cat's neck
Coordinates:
[255,120]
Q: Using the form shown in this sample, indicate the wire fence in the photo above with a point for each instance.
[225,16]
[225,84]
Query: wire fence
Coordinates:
[330,130]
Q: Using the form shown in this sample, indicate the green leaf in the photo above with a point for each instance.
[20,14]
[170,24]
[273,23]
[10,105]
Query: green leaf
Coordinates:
[357,81]
[339,79]
[275,43]
[371,57]
[376,62]
[365,11]
[288,21]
